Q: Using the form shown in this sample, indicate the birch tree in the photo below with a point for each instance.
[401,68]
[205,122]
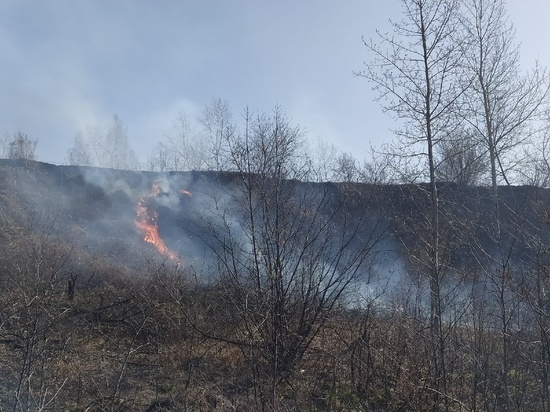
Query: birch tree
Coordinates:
[502,104]
[416,70]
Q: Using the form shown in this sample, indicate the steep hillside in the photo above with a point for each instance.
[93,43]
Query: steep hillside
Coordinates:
[96,212]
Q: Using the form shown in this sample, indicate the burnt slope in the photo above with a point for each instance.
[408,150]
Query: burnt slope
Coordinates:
[94,211]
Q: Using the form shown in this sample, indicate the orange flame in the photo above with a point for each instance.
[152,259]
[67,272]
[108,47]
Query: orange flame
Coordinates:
[146,221]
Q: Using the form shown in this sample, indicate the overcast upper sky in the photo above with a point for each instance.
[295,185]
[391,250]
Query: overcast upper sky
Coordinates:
[69,64]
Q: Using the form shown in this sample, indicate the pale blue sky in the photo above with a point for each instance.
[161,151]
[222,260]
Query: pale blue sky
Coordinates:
[68,64]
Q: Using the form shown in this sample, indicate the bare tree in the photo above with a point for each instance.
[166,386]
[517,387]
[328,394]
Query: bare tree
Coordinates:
[501,104]
[161,159]
[4,145]
[200,143]
[460,160]
[116,151]
[79,154]
[416,72]
[377,169]
[32,318]
[286,252]
[22,147]
[104,149]
[534,291]
[536,172]
[184,148]
[322,155]
[346,168]
[217,123]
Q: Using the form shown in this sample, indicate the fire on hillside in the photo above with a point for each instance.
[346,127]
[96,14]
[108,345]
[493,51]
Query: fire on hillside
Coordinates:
[146,221]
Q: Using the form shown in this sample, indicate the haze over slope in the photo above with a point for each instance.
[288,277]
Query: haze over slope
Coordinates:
[96,211]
